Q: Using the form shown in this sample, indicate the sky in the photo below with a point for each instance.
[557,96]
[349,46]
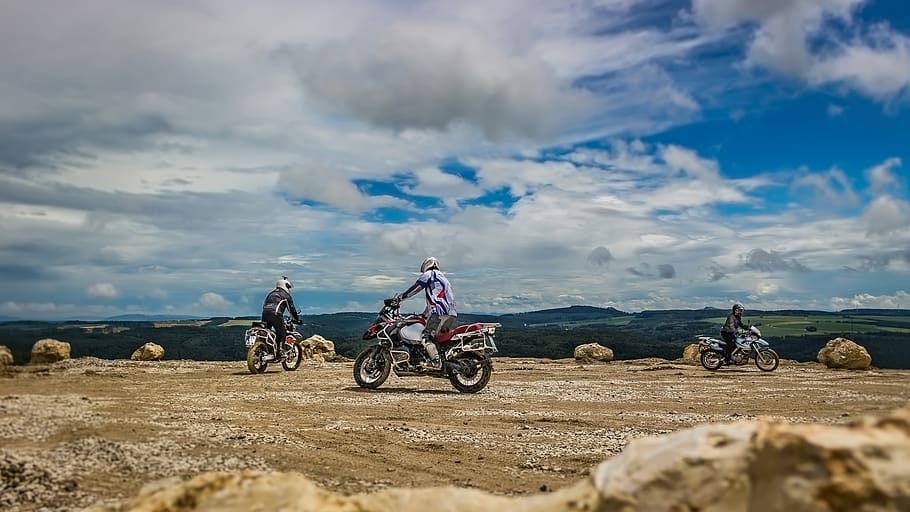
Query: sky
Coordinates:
[177,157]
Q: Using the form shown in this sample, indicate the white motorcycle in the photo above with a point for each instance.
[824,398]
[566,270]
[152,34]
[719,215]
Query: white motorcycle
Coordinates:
[749,346]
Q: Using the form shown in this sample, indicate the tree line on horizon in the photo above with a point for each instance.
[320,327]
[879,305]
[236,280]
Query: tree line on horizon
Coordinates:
[545,334]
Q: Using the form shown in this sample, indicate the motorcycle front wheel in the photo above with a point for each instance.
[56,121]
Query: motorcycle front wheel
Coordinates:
[292,356]
[711,360]
[767,360]
[254,357]
[473,375]
[372,367]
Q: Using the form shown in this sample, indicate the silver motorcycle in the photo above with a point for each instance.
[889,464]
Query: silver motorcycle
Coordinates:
[263,347]
[748,346]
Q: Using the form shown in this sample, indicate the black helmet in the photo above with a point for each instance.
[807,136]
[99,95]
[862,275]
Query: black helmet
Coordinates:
[739,307]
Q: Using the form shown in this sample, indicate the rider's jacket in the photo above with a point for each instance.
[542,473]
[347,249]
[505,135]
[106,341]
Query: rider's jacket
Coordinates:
[733,324]
[439,293]
[277,301]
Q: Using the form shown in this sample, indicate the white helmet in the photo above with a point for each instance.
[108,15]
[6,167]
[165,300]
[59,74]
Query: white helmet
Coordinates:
[284,284]
[429,263]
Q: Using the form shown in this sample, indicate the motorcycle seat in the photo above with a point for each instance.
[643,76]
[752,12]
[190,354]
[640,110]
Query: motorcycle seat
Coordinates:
[443,337]
[260,324]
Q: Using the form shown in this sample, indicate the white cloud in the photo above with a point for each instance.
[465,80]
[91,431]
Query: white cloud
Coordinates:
[380,281]
[329,185]
[833,186]
[767,288]
[433,182]
[213,301]
[392,79]
[881,177]
[879,68]
[886,215]
[899,299]
[874,60]
[102,291]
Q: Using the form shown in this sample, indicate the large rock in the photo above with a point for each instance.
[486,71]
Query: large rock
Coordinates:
[6,356]
[148,352]
[692,353]
[318,348]
[593,353]
[49,350]
[843,353]
[755,466]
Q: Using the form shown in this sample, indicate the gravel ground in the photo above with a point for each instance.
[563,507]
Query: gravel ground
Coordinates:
[89,431]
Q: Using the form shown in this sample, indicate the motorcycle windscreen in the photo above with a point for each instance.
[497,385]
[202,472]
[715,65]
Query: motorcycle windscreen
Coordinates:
[411,332]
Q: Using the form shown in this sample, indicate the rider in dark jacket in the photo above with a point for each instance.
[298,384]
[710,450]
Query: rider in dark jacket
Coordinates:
[728,332]
[276,303]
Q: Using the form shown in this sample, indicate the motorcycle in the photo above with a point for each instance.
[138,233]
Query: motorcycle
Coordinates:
[465,351]
[261,343]
[750,346]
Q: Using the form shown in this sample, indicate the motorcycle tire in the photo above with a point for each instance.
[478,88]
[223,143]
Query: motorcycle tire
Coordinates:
[254,357]
[372,367]
[711,360]
[475,374]
[292,358]
[767,360]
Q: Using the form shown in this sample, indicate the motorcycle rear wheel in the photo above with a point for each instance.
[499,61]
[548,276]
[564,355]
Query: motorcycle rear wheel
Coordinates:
[476,372]
[372,367]
[767,360]
[292,357]
[254,357]
[711,360]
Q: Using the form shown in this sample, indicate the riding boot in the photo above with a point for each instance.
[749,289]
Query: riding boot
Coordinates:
[432,351]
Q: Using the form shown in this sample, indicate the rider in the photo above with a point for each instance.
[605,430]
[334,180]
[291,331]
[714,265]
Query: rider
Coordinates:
[276,303]
[440,312]
[733,325]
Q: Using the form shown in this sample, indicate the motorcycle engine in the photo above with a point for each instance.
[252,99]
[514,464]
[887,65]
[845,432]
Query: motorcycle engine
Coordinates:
[738,357]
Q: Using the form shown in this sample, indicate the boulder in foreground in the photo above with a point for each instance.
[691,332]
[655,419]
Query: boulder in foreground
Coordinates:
[754,466]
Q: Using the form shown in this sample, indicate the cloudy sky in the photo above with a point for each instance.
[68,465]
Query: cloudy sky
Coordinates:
[177,156]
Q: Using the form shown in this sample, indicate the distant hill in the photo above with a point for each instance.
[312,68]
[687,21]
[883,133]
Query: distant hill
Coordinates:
[879,312]
[150,318]
[564,315]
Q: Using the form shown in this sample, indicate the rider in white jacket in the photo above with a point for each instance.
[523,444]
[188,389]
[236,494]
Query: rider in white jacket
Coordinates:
[440,311]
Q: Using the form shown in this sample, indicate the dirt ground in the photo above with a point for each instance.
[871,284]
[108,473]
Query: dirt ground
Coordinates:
[90,431]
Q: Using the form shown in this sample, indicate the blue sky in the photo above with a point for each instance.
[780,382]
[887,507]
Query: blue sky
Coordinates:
[178,157]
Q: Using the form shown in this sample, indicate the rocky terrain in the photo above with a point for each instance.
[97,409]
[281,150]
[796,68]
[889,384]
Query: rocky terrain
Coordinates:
[91,432]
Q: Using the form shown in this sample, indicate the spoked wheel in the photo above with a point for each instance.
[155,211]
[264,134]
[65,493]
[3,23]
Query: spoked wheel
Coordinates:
[711,360]
[293,354]
[473,373]
[254,357]
[372,367]
[767,360]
